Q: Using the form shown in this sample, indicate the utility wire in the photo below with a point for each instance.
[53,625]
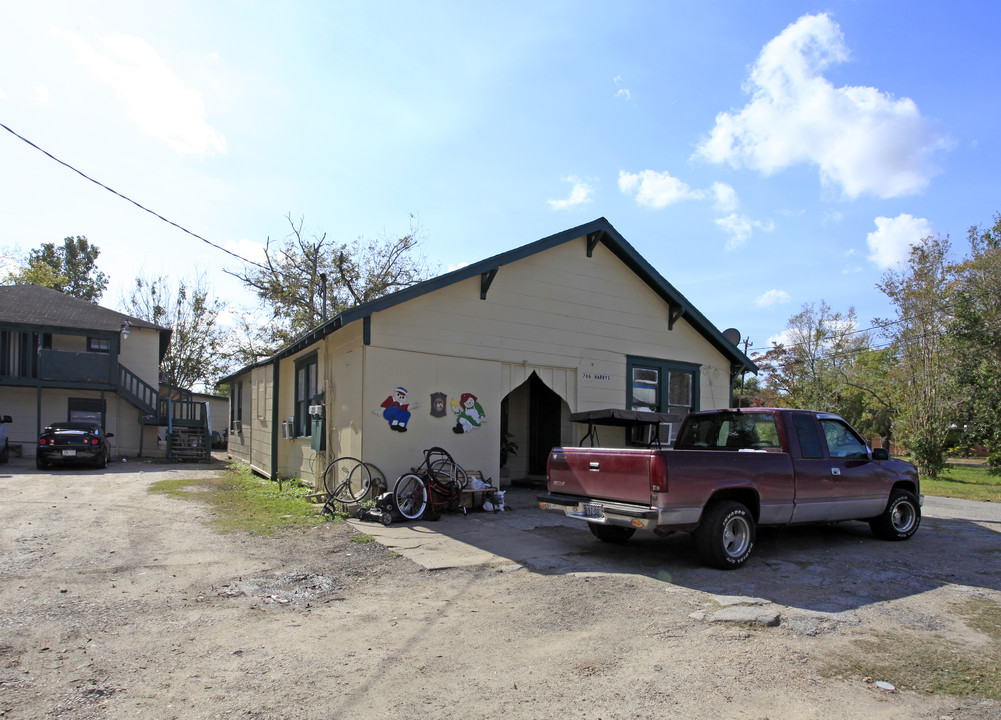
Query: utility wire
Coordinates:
[124,197]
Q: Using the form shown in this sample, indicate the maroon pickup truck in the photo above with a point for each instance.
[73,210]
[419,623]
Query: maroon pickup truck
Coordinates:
[730,471]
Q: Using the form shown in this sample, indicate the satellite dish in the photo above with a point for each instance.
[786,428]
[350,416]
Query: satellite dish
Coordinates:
[732,335]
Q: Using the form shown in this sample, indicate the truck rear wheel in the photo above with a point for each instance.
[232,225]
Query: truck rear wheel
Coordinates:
[611,533]
[725,537]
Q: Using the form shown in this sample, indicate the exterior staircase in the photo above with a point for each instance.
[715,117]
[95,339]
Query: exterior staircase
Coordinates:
[187,444]
[187,421]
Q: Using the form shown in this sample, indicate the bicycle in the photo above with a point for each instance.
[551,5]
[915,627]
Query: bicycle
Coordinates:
[433,486]
[348,480]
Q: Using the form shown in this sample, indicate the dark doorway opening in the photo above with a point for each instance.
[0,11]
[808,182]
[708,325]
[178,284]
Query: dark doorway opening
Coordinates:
[545,408]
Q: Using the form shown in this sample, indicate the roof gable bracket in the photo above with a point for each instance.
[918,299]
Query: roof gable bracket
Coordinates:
[675,313]
[486,280]
[592,241]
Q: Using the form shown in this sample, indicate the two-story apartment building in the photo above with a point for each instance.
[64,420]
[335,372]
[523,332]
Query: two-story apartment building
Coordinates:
[65,359]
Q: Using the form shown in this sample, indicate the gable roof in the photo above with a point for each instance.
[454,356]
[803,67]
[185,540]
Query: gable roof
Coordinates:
[34,306]
[596,231]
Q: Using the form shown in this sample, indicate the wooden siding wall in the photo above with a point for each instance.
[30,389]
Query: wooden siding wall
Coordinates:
[239,444]
[140,353]
[257,410]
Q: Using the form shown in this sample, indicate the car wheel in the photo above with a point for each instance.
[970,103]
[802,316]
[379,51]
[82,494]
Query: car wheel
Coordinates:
[725,537]
[5,452]
[611,533]
[40,463]
[901,518]
[103,462]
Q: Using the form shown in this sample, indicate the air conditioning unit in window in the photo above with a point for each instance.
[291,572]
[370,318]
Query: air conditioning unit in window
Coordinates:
[652,434]
[237,426]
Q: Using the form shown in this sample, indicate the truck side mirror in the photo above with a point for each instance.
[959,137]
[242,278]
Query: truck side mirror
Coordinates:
[880,454]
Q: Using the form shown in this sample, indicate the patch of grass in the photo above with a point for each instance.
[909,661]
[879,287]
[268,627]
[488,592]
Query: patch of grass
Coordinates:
[244,502]
[932,664]
[984,617]
[362,538]
[968,482]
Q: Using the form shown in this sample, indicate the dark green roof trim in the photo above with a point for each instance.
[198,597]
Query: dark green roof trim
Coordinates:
[596,231]
[486,280]
[592,241]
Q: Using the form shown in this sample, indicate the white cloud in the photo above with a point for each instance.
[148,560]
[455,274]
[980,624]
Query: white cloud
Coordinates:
[740,228]
[772,297]
[247,249]
[726,197]
[890,244]
[157,99]
[457,266]
[42,94]
[656,190]
[862,140]
[622,92]
[580,194]
[787,337]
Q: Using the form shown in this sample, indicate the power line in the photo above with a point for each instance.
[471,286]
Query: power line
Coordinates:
[128,199]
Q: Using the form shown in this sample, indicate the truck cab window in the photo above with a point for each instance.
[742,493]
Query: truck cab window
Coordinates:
[842,442]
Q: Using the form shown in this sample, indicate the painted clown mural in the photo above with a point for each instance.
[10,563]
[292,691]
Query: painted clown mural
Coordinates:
[396,410]
[469,413]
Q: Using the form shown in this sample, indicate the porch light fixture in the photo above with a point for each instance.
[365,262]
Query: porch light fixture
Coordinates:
[125,329]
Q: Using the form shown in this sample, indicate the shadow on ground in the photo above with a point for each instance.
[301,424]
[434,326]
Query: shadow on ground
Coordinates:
[825,568]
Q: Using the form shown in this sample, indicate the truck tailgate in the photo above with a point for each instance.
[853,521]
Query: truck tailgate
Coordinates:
[623,475]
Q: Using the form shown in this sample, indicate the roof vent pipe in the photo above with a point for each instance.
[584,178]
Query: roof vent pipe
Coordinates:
[323,294]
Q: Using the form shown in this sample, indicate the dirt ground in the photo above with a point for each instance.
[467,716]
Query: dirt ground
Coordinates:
[115,603]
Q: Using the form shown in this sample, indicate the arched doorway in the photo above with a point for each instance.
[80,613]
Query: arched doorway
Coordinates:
[533,421]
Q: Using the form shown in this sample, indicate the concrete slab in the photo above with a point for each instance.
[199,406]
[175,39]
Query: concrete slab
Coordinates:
[501,539]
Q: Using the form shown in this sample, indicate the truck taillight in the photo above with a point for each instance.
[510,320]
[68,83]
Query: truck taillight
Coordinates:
[658,473]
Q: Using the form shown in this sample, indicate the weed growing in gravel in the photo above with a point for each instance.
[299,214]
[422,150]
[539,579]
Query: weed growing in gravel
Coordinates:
[245,502]
[933,664]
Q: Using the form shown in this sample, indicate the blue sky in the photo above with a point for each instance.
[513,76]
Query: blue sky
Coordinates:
[760,155]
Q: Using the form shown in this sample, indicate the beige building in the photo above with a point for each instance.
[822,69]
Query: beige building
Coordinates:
[63,359]
[505,349]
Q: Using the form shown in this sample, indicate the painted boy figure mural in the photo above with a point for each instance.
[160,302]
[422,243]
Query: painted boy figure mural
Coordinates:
[469,413]
[396,410]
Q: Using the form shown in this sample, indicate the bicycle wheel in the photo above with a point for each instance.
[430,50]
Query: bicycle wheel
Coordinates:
[410,496]
[435,455]
[347,479]
[378,482]
[447,470]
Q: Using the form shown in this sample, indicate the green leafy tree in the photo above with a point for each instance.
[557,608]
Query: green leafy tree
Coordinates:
[809,369]
[926,396]
[196,355]
[867,397]
[976,330]
[289,282]
[70,269]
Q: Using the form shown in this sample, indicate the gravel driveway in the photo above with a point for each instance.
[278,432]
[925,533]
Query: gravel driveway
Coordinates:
[115,603]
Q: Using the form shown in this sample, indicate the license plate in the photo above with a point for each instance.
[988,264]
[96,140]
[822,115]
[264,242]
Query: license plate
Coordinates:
[69,453]
[593,511]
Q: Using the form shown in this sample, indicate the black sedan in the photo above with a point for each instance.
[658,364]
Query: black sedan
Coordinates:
[76,443]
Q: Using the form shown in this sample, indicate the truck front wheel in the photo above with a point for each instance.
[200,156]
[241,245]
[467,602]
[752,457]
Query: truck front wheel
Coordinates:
[725,537]
[611,533]
[901,518]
